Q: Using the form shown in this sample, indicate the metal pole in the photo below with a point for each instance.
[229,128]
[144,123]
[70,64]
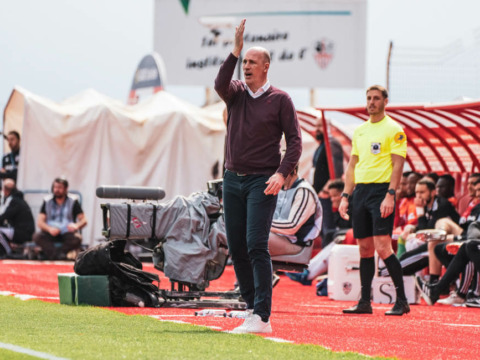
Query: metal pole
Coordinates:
[312,97]
[388,65]
[326,138]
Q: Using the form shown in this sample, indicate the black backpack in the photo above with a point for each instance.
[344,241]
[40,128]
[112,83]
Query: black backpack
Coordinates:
[129,284]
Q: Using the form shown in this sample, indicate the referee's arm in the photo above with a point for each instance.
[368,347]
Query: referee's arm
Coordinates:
[349,185]
[388,204]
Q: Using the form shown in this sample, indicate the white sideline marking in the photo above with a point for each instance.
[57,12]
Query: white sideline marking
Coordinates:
[175,321]
[464,325]
[159,318]
[176,315]
[279,340]
[38,262]
[27,296]
[30,352]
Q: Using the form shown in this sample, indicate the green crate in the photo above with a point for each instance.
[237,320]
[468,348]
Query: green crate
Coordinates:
[92,290]
[66,288]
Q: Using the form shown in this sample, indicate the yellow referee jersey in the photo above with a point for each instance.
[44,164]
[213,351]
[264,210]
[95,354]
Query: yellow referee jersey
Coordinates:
[373,143]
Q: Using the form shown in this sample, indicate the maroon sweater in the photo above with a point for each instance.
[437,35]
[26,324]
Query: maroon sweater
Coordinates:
[255,126]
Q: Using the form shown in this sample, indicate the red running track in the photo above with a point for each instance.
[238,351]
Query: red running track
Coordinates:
[299,316]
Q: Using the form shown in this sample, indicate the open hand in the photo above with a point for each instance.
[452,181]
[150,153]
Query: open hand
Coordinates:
[238,45]
[275,184]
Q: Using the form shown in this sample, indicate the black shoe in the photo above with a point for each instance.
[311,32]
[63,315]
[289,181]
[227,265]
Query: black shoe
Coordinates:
[428,292]
[302,277]
[401,307]
[363,307]
[473,302]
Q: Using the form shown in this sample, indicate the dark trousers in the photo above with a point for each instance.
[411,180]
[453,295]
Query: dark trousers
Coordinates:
[248,218]
[327,221]
[66,242]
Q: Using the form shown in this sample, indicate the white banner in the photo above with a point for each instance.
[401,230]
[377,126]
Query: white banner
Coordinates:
[318,44]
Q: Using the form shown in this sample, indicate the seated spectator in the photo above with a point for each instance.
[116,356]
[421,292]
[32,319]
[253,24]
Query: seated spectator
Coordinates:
[407,214]
[430,209]
[468,251]
[10,160]
[399,195]
[335,190]
[445,186]
[319,264]
[432,176]
[16,220]
[60,219]
[297,219]
[469,215]
[458,233]
[469,200]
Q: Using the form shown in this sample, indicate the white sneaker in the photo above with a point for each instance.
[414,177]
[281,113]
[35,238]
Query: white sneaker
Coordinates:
[253,324]
[453,299]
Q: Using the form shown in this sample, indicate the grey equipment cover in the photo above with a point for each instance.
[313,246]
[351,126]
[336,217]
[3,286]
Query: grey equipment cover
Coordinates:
[193,246]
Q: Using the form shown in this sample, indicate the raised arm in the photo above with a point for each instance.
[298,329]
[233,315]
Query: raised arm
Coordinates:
[224,86]
[349,185]
[238,44]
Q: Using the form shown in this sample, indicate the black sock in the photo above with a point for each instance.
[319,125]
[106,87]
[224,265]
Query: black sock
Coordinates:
[433,278]
[396,273]
[367,270]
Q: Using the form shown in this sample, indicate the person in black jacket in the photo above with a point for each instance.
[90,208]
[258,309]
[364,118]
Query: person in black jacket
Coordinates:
[10,160]
[321,174]
[16,220]
[465,253]
[434,209]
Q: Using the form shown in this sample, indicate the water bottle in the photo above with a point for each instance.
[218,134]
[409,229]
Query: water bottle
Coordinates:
[134,300]
[237,314]
[210,312]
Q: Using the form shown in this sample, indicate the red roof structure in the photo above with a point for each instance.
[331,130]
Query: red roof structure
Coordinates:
[442,138]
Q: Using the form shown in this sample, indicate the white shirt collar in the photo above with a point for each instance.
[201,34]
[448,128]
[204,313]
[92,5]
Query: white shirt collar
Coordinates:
[260,91]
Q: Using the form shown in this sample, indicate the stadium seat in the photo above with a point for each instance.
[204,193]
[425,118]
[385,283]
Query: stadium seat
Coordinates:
[296,262]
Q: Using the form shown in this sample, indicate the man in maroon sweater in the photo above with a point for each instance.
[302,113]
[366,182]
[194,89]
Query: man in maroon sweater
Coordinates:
[258,115]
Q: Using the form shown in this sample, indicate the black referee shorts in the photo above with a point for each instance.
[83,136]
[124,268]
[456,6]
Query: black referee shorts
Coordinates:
[366,218]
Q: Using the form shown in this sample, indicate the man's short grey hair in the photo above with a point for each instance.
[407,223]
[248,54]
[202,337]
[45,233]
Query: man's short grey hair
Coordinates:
[265,52]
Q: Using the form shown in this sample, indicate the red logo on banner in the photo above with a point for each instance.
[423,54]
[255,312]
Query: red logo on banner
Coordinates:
[324,52]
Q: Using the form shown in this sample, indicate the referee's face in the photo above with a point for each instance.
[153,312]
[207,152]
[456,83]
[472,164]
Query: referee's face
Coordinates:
[376,102]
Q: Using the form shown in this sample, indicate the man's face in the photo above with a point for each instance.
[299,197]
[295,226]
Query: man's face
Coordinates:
[13,142]
[443,188]
[335,197]
[375,102]
[411,183]
[255,68]
[319,129]
[59,190]
[471,186]
[402,188]
[477,191]
[422,192]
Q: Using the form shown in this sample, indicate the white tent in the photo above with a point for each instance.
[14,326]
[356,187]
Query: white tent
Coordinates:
[93,140]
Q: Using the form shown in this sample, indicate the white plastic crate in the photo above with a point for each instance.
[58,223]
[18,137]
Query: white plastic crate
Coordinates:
[343,273]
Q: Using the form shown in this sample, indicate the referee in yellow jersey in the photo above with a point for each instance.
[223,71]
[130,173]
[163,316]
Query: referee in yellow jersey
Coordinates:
[379,148]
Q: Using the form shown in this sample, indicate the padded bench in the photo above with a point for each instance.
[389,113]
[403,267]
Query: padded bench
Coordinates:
[296,262]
